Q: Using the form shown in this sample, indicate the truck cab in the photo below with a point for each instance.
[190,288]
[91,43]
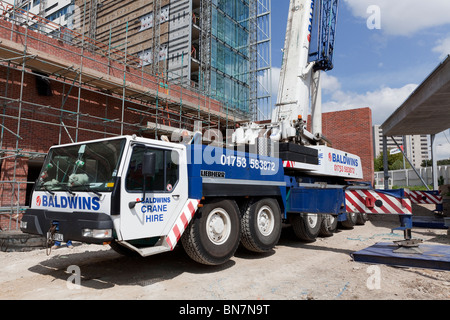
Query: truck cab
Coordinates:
[83,188]
[140,195]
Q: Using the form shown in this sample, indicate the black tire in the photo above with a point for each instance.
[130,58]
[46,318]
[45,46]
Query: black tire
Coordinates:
[361,218]
[329,225]
[214,233]
[306,226]
[350,222]
[261,225]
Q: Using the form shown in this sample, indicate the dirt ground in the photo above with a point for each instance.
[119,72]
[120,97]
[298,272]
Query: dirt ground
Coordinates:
[323,270]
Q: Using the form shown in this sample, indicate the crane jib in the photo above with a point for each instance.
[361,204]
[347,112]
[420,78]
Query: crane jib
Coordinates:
[322,33]
[311,18]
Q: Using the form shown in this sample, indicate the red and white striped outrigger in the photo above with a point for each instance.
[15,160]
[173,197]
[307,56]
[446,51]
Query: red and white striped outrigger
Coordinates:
[377,202]
[382,202]
[424,197]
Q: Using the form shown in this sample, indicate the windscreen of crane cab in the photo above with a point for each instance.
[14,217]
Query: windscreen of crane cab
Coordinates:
[166,171]
[86,167]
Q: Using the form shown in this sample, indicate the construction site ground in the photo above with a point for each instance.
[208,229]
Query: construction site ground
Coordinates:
[322,270]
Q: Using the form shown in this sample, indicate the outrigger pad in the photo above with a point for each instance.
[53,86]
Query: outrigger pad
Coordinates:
[431,222]
[431,256]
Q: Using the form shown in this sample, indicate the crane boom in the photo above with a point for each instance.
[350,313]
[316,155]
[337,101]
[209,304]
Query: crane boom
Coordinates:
[308,49]
[293,88]
[323,34]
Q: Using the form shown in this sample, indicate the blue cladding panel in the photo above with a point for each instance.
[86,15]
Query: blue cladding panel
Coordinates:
[226,167]
[310,200]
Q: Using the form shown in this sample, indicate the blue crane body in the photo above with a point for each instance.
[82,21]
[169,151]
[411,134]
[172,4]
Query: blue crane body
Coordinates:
[146,195]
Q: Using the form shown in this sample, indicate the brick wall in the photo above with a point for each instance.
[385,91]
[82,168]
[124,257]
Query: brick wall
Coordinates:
[41,116]
[351,131]
[40,126]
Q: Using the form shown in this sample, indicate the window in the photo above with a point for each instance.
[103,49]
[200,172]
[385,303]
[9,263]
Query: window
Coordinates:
[166,171]
[82,167]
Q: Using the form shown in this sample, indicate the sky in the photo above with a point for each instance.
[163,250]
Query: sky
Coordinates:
[384,49]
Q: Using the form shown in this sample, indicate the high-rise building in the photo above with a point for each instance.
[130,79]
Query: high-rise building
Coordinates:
[53,10]
[221,47]
[416,147]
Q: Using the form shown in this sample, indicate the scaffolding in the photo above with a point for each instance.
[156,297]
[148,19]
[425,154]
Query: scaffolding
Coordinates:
[134,99]
[205,44]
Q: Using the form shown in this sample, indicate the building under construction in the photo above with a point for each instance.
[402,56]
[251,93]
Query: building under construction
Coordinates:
[93,69]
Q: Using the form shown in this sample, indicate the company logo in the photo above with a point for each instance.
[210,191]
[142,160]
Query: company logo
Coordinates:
[338,158]
[212,174]
[154,208]
[63,202]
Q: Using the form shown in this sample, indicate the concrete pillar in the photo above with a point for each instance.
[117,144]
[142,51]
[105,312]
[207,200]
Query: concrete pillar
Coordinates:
[385,163]
[433,157]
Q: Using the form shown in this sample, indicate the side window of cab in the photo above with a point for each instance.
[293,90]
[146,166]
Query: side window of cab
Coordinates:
[166,171]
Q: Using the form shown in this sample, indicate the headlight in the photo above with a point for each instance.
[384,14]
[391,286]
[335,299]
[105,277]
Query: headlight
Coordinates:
[97,233]
[23,224]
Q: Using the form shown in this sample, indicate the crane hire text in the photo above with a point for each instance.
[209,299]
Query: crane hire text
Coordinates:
[152,208]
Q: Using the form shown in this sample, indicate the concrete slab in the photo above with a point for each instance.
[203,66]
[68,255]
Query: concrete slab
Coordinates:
[432,257]
[427,110]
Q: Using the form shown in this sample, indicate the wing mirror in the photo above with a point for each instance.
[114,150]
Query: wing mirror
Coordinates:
[149,164]
[148,170]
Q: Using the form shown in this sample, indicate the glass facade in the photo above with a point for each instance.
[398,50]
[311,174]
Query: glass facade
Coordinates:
[230,64]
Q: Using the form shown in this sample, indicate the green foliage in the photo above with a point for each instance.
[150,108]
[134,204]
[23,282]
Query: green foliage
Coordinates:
[414,188]
[395,162]
[429,163]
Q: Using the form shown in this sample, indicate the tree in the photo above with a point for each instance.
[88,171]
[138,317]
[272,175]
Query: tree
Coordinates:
[429,163]
[395,162]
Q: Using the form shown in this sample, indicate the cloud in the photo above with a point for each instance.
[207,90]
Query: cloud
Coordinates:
[443,145]
[267,86]
[275,79]
[443,47]
[404,17]
[330,84]
[383,101]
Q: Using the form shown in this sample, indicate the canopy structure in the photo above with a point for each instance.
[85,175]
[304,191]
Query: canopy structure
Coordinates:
[426,111]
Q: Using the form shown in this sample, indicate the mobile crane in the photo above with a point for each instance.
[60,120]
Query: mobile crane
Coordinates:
[143,195]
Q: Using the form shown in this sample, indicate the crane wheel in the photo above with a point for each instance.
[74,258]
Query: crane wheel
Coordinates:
[306,226]
[362,218]
[350,222]
[214,233]
[329,225]
[261,225]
